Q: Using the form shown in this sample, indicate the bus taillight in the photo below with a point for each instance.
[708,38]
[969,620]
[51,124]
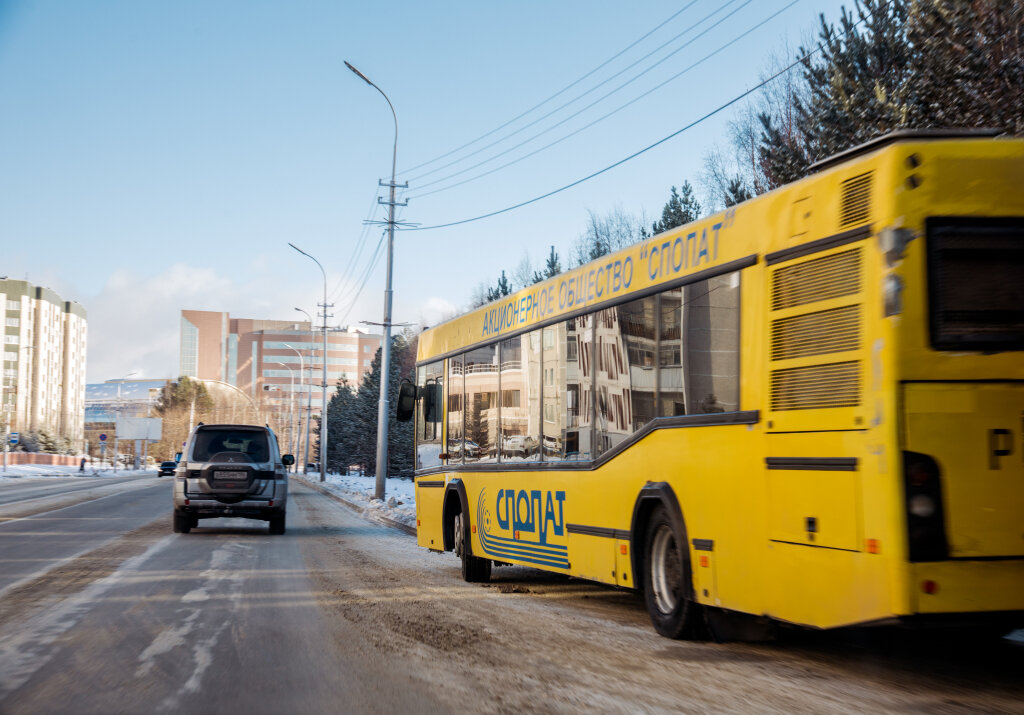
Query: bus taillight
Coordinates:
[926,527]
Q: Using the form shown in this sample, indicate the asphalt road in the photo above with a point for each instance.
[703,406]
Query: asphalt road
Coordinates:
[104,610]
[220,620]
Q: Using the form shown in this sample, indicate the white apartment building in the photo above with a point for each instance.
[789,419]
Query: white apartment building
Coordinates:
[43,385]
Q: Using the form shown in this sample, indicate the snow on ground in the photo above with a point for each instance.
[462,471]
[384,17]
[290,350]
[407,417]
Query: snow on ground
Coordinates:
[399,502]
[36,471]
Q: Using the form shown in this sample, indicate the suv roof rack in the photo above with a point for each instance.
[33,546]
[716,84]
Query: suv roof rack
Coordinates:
[902,135]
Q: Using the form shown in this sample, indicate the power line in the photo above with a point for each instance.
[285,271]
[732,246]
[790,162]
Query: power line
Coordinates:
[360,245]
[581,96]
[369,271]
[605,116]
[553,96]
[635,154]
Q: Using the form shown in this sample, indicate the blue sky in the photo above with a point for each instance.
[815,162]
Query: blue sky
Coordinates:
[159,155]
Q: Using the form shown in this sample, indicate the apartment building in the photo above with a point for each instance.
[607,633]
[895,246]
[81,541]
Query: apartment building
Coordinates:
[43,382]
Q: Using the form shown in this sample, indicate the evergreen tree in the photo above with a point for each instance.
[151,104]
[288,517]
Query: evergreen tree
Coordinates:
[682,207]
[736,192]
[352,416]
[968,65]
[502,289]
[902,64]
[552,267]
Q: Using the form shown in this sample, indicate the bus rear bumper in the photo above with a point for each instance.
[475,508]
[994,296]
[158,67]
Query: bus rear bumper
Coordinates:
[966,587]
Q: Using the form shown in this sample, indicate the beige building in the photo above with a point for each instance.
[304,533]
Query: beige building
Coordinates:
[44,360]
[262,356]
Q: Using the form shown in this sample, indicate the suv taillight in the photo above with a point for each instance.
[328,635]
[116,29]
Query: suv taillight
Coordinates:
[926,528]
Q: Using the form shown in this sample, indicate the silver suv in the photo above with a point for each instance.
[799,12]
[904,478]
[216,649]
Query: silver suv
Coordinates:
[231,470]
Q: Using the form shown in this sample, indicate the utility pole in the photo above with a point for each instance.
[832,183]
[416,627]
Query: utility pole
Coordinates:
[383,406]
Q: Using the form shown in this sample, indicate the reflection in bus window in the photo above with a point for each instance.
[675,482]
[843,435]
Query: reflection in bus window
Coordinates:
[638,326]
[520,395]
[611,365]
[428,434]
[671,396]
[566,415]
[710,329]
[481,375]
[455,409]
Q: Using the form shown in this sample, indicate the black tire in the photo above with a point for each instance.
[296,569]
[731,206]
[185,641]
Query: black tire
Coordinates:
[474,568]
[668,579]
[182,523]
[277,525]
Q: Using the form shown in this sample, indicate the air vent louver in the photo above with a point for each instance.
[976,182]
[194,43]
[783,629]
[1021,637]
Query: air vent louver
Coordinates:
[816,387]
[821,279]
[827,331]
[855,204]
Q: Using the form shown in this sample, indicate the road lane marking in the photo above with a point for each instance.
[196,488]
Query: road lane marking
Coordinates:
[30,647]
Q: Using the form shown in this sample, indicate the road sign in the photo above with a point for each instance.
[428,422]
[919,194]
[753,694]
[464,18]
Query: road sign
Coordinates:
[103,438]
[13,438]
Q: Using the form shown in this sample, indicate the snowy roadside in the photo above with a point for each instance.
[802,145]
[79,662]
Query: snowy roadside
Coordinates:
[44,471]
[399,504]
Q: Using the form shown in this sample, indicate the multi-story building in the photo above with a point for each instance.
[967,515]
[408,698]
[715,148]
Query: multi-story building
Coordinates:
[260,356]
[44,360]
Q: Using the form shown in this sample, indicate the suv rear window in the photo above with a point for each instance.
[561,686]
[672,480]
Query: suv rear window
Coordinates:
[250,444]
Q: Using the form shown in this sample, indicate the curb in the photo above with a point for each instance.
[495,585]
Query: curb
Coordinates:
[365,513]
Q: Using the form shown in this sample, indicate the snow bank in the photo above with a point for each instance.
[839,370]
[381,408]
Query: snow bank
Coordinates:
[42,471]
[399,502]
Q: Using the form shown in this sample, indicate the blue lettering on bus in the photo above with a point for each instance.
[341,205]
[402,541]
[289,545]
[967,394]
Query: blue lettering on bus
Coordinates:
[533,512]
[670,257]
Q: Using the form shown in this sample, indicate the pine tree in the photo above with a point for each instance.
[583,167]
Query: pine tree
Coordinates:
[502,289]
[552,267]
[682,207]
[736,192]
[968,65]
[352,416]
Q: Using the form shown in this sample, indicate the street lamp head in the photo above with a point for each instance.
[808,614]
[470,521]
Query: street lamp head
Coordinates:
[359,74]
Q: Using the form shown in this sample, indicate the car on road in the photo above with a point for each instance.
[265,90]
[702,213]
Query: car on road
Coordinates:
[231,470]
[167,469]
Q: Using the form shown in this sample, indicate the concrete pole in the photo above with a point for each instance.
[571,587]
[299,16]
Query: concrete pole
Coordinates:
[383,406]
[323,378]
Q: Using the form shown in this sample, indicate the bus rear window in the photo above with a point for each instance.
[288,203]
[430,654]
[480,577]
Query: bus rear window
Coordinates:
[975,291]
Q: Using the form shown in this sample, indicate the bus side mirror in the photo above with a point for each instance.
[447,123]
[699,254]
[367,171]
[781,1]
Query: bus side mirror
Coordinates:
[406,401]
[287,460]
[177,456]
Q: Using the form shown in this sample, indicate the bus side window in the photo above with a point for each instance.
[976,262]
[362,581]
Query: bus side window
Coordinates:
[429,413]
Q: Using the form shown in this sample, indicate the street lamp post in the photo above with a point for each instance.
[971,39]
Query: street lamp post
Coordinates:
[298,430]
[291,406]
[309,397]
[323,378]
[385,355]
[240,391]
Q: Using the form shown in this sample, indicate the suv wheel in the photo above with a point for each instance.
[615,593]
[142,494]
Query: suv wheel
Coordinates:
[277,524]
[182,523]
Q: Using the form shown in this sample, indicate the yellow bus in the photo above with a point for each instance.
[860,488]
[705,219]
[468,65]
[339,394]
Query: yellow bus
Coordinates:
[808,408]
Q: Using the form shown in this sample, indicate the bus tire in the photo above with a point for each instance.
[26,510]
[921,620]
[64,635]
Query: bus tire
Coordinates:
[474,569]
[668,579]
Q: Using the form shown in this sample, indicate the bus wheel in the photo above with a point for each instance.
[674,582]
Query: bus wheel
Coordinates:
[666,579]
[474,569]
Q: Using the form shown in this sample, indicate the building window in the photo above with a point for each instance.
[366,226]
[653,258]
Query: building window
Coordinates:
[13,323]
[14,305]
